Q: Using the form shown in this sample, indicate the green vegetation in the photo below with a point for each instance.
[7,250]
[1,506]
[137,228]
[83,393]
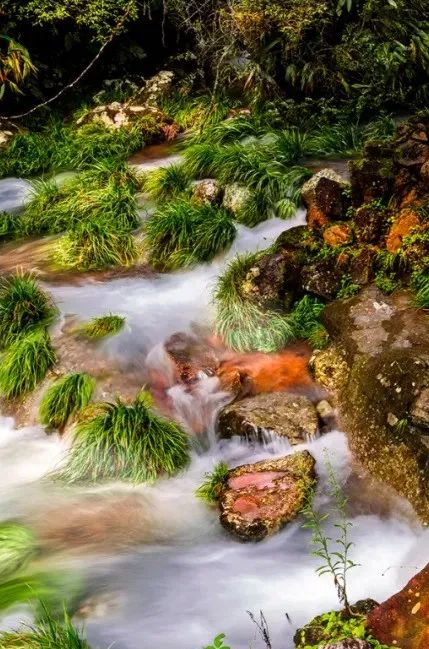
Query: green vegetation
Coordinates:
[25,363]
[182,233]
[348,288]
[218,643]
[386,282]
[166,182]
[244,326]
[17,545]
[335,626]
[64,398]
[126,442]
[420,284]
[106,325]
[47,633]
[213,483]
[8,225]
[23,307]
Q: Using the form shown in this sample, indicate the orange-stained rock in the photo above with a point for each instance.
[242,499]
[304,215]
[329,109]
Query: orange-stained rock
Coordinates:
[337,235]
[259,499]
[402,227]
[323,195]
[403,620]
[316,218]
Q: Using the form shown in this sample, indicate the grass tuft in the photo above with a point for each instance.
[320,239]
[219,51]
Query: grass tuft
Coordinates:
[64,398]
[17,545]
[25,363]
[47,633]
[126,442]
[182,233]
[420,285]
[213,484]
[106,325]
[167,182]
[23,306]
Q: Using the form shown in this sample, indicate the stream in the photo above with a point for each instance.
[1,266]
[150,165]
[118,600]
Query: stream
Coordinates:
[183,580]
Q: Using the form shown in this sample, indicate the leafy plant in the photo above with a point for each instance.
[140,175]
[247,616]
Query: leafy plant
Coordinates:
[348,288]
[17,545]
[126,442]
[106,325]
[420,284]
[218,643]
[182,233]
[213,483]
[334,553]
[305,321]
[15,65]
[23,307]
[386,282]
[64,398]
[25,363]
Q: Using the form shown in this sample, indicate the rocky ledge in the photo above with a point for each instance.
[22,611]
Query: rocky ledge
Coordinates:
[259,499]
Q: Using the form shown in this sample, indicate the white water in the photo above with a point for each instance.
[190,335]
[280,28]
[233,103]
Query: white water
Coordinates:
[188,580]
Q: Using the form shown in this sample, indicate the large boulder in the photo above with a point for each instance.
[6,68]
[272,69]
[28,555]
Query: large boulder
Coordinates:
[280,413]
[323,195]
[378,365]
[403,620]
[259,499]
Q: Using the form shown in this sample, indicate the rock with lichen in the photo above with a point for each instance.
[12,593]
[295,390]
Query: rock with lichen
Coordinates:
[324,197]
[259,499]
[281,414]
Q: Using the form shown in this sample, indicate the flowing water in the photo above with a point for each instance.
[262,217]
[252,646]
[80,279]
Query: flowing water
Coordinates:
[170,577]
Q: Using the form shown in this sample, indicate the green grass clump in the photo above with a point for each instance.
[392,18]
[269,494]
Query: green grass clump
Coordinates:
[106,325]
[126,442]
[44,213]
[23,306]
[91,246]
[182,233]
[420,284]
[305,321]
[64,398]
[9,225]
[17,545]
[167,182]
[241,324]
[213,483]
[48,633]
[25,363]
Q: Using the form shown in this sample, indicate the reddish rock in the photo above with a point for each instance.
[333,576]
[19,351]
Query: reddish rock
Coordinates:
[191,355]
[339,234]
[402,227]
[403,620]
[259,499]
[323,195]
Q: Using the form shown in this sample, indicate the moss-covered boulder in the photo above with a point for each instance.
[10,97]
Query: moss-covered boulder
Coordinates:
[259,499]
[291,416]
[378,365]
[403,620]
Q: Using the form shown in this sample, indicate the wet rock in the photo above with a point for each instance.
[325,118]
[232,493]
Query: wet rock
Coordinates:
[361,266]
[207,191]
[259,499]
[191,355]
[235,197]
[380,365]
[337,235]
[323,195]
[372,177]
[291,239]
[156,88]
[322,278]
[286,415]
[403,620]
[403,225]
[419,411]
[274,280]
[369,222]
[349,643]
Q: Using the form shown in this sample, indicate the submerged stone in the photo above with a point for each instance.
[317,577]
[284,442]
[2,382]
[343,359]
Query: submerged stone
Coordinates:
[259,499]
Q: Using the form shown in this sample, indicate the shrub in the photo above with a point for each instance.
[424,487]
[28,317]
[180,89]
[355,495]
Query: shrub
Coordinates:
[182,233]
[17,546]
[23,306]
[25,363]
[167,182]
[126,442]
[103,326]
[64,398]
[213,483]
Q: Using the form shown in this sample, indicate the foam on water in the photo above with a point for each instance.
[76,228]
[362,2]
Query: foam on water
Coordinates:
[14,193]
